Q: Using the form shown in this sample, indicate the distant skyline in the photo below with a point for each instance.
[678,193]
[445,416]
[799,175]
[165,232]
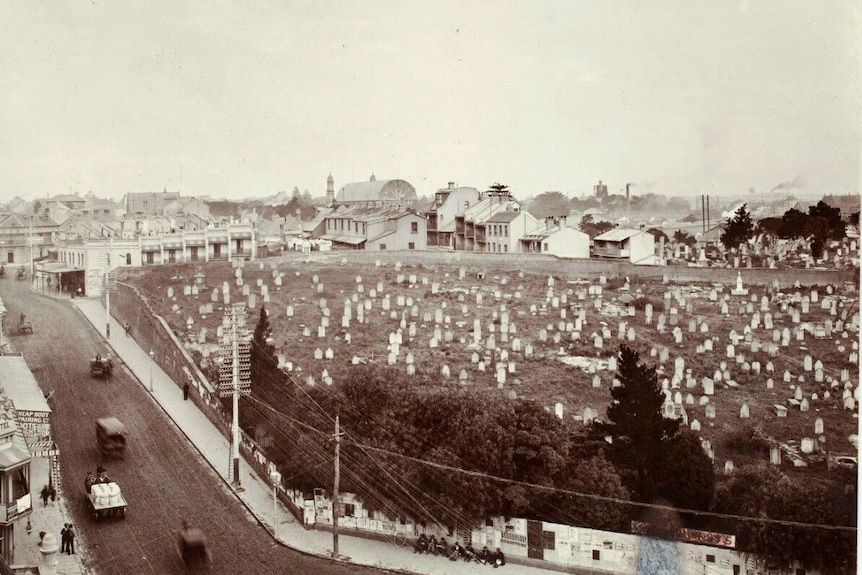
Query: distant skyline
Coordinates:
[236,102]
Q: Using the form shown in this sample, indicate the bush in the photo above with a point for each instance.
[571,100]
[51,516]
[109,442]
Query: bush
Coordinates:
[748,439]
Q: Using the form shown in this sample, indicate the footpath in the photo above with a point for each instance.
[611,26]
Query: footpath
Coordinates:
[256,495]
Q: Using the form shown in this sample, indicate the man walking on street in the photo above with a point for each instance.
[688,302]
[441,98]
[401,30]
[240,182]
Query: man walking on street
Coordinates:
[185,391]
[64,538]
[70,540]
[45,493]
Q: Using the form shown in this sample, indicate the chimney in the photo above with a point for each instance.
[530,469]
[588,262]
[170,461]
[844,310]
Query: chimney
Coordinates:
[563,219]
[451,185]
[330,191]
[548,222]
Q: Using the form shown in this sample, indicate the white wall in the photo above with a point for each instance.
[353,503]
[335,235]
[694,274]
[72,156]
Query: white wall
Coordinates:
[567,242]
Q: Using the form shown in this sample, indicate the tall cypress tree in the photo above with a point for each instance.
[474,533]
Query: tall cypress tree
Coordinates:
[266,377]
[635,424]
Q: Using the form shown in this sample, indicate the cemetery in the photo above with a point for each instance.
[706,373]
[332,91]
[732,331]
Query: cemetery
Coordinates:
[778,361]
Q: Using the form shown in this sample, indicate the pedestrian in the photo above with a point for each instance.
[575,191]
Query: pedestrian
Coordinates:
[45,495]
[186,391]
[128,328]
[52,492]
[64,537]
[70,538]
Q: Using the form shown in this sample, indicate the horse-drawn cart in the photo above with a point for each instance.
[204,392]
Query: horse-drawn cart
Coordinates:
[22,274]
[101,366]
[106,499]
[193,548]
[24,325]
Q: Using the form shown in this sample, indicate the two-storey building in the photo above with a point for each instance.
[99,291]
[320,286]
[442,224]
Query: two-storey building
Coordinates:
[469,225]
[25,237]
[83,263]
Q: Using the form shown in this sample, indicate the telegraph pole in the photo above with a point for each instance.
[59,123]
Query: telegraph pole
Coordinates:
[236,380]
[336,508]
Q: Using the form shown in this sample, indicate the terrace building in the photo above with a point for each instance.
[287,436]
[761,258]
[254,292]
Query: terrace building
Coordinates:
[373,229]
[449,203]
[468,222]
[83,263]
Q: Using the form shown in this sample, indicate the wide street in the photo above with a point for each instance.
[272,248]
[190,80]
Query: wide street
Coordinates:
[163,477]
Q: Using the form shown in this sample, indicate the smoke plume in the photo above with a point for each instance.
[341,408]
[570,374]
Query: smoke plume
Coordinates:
[796,182]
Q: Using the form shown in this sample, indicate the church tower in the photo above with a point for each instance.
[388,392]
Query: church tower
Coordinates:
[330,191]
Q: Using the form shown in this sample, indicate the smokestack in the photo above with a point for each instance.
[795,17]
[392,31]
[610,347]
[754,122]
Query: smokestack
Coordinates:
[628,199]
[707,212]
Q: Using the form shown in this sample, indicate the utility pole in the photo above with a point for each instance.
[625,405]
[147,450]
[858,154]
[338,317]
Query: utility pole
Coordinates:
[336,507]
[235,378]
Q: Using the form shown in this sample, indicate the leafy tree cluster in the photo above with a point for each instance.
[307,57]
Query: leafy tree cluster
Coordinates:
[556,203]
[762,491]
[593,228]
[686,238]
[818,227]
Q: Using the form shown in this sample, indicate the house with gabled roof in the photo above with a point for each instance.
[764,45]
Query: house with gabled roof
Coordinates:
[557,238]
[632,245]
[502,232]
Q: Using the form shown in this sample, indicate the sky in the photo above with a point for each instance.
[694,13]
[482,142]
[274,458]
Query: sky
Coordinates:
[242,99]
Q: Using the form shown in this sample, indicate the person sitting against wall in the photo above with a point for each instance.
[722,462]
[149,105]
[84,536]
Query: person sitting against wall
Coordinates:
[421,544]
[499,559]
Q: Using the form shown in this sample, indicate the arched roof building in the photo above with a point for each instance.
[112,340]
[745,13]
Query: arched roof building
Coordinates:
[377,193]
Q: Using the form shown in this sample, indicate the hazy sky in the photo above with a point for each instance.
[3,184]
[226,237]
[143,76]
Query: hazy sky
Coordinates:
[240,99]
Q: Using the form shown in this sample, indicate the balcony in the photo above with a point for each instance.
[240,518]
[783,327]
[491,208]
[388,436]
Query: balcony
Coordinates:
[611,252]
[9,511]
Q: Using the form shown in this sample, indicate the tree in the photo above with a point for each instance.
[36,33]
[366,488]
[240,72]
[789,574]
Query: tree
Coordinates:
[593,228]
[266,378]
[686,476]
[549,204]
[738,229]
[658,234]
[639,432]
[682,237]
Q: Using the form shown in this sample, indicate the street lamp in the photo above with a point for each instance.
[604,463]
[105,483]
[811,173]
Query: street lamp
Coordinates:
[152,361]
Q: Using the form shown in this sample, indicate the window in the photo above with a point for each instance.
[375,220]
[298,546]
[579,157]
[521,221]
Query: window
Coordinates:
[10,257]
[128,259]
[411,246]
[349,510]
[799,571]
[505,248]
[548,540]
[597,555]
[382,247]
[414,228]
[172,256]
[546,246]
[710,558]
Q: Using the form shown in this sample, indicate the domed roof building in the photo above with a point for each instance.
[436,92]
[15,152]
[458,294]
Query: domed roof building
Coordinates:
[377,193]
